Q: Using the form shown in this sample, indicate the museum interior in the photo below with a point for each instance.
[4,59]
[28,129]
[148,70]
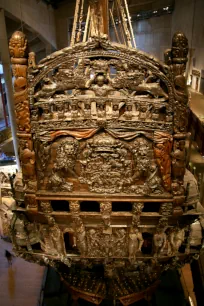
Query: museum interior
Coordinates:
[101,152]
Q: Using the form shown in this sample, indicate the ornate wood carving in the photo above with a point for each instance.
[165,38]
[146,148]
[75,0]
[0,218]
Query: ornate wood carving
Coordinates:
[105,131]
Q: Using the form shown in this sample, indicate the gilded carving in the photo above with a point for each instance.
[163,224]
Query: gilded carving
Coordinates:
[162,151]
[135,243]
[56,236]
[108,124]
[46,207]
[175,239]
[106,209]
[28,159]
[178,159]
[136,213]
[159,242]
[18,53]
[31,202]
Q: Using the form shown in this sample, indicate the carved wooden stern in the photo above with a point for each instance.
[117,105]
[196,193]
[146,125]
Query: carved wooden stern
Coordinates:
[102,131]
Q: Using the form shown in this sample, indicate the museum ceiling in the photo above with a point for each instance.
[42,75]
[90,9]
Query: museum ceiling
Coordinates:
[135,6]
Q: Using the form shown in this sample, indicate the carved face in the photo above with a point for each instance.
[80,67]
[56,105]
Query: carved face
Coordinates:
[69,149]
[51,221]
[142,149]
[18,44]
[129,108]
[87,106]
[115,107]
[100,80]
[179,46]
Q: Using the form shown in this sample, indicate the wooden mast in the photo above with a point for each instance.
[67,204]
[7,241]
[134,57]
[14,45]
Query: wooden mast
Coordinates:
[99,17]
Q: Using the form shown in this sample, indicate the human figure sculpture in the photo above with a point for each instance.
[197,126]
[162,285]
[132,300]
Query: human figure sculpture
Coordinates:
[100,88]
[153,180]
[175,240]
[135,242]
[46,113]
[128,112]
[28,162]
[60,112]
[101,110]
[87,109]
[56,236]
[80,236]
[178,160]
[23,232]
[159,242]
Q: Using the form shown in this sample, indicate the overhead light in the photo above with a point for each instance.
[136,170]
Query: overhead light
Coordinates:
[138,15]
[155,12]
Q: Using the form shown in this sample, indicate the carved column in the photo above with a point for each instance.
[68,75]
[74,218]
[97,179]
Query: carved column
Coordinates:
[8,82]
[19,60]
[176,58]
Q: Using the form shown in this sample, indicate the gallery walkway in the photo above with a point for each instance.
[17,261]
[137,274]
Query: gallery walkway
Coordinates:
[20,285]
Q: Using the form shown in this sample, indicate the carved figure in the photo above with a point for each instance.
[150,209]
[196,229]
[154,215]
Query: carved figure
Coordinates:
[100,88]
[136,213]
[48,89]
[87,109]
[46,112]
[128,112]
[18,45]
[178,160]
[46,206]
[22,115]
[105,209]
[23,232]
[18,52]
[101,111]
[159,242]
[80,236]
[56,236]
[135,242]
[153,180]
[166,209]
[162,151]
[175,239]
[28,162]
